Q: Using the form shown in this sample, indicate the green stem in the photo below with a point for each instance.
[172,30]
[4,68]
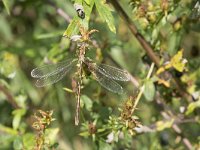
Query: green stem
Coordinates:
[142,88]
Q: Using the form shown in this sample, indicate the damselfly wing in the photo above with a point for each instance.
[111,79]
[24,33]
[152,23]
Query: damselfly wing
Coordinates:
[52,73]
[104,74]
[195,14]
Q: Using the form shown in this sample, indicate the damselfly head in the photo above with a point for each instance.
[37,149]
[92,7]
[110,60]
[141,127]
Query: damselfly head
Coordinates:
[80,10]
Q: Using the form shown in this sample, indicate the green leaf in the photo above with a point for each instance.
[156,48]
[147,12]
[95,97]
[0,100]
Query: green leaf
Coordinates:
[161,125]
[7,5]
[72,28]
[48,35]
[178,62]
[103,145]
[17,144]
[51,135]
[88,10]
[18,113]
[105,13]
[192,106]
[8,130]
[87,1]
[149,90]
[21,100]
[84,134]
[87,102]
[28,141]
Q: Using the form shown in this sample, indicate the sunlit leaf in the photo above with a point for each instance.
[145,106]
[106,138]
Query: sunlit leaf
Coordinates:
[84,134]
[161,125]
[178,62]
[105,13]
[72,28]
[51,135]
[68,90]
[21,100]
[49,35]
[87,102]
[149,91]
[88,10]
[163,68]
[7,64]
[18,113]
[87,1]
[8,130]
[103,145]
[192,106]
[164,82]
[28,141]
[17,144]
[7,5]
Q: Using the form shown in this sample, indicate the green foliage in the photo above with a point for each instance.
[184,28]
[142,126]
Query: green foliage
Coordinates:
[160,106]
[105,13]
[7,5]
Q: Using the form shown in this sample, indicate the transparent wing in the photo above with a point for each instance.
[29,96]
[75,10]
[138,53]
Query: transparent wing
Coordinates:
[107,83]
[54,75]
[113,72]
[51,69]
[196,11]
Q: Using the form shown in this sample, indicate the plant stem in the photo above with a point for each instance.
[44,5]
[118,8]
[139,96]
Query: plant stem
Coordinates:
[148,48]
[142,88]
[10,97]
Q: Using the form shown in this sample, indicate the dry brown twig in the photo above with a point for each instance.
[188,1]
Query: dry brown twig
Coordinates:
[147,47]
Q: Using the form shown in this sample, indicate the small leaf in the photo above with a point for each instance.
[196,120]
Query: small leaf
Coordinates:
[87,1]
[28,141]
[21,100]
[161,125]
[18,113]
[8,130]
[17,144]
[149,91]
[51,135]
[165,83]
[178,62]
[103,145]
[105,13]
[84,134]
[87,102]
[88,10]
[48,35]
[192,106]
[7,5]
[68,90]
[163,68]
[72,28]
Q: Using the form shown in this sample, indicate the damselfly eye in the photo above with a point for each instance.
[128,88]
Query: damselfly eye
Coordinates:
[80,10]
[81,14]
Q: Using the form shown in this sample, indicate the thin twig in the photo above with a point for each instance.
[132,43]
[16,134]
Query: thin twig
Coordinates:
[148,48]
[9,96]
[167,114]
[142,88]
[60,11]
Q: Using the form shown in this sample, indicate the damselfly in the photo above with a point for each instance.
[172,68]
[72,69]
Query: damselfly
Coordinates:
[106,75]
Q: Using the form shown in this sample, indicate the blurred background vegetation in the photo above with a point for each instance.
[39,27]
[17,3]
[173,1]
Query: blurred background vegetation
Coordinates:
[167,115]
